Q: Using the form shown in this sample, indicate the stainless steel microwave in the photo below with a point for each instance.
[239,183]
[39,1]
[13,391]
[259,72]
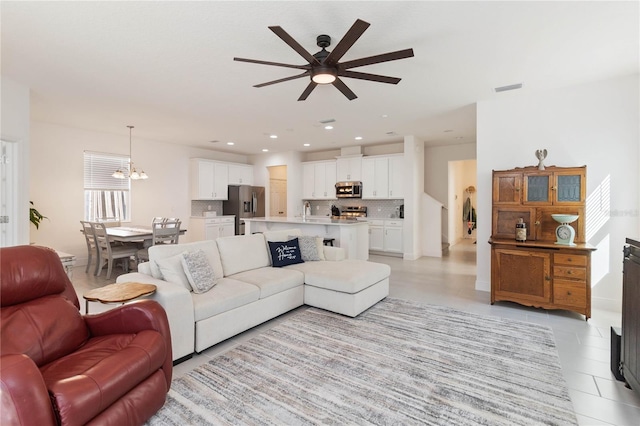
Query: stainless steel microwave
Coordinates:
[349,190]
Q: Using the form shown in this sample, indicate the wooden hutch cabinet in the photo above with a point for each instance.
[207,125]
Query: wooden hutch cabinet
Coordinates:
[539,272]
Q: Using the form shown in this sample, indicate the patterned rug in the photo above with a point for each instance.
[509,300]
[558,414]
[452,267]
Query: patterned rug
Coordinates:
[397,363]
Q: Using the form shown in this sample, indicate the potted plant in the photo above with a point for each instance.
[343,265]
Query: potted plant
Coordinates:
[35,216]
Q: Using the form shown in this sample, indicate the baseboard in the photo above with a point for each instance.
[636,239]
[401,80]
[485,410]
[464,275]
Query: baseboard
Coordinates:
[183,359]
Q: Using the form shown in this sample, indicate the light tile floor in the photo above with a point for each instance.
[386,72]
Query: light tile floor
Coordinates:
[583,347]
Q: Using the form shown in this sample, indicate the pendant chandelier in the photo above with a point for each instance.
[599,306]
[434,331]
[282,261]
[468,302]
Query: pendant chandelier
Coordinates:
[132,172]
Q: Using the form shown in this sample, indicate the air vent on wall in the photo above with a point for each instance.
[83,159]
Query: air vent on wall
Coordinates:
[509,87]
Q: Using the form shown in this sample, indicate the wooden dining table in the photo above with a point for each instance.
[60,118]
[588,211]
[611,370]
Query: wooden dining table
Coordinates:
[133,233]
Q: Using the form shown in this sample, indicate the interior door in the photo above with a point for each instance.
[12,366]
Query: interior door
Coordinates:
[278,197]
[8,195]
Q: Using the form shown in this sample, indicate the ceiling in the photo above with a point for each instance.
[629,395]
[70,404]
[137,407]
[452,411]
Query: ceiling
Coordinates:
[167,67]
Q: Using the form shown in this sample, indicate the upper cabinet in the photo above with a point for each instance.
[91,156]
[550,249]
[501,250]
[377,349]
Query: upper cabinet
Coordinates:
[396,176]
[382,177]
[209,179]
[534,195]
[349,168]
[240,174]
[319,180]
[554,186]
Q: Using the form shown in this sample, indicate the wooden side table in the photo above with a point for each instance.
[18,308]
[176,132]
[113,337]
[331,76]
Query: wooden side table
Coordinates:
[118,293]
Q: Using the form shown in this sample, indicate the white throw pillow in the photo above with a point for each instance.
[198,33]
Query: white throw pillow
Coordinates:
[311,247]
[198,271]
[172,271]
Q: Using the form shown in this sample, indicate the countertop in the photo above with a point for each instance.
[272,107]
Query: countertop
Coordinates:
[211,217]
[311,221]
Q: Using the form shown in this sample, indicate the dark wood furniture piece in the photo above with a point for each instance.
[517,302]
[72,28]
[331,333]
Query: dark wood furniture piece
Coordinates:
[540,272]
[630,358]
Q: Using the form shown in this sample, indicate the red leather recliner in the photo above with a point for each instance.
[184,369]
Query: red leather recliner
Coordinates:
[59,367]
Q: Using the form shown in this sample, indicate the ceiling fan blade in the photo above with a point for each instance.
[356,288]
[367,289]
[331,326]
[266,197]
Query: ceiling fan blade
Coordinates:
[354,33]
[370,77]
[385,57]
[278,64]
[268,83]
[294,44]
[339,84]
[312,85]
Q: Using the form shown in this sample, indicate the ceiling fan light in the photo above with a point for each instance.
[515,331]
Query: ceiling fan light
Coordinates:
[143,175]
[118,174]
[323,75]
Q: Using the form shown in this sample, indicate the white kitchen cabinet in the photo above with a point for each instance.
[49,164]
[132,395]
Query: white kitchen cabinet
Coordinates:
[393,241]
[210,228]
[319,179]
[396,176]
[376,235]
[209,179]
[349,169]
[240,174]
[227,226]
[383,177]
[375,178]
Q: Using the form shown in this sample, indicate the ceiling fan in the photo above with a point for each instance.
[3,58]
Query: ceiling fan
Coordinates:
[324,67]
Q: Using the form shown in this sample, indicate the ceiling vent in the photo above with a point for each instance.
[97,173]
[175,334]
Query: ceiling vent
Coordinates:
[328,120]
[509,87]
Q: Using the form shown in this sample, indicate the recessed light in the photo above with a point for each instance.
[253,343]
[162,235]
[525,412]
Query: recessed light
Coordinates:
[307,144]
[265,150]
[230,143]
[358,138]
[384,115]
[328,127]
[273,136]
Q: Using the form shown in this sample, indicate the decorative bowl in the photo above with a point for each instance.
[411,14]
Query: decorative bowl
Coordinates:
[565,218]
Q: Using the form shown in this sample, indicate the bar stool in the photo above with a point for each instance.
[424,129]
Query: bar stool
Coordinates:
[328,241]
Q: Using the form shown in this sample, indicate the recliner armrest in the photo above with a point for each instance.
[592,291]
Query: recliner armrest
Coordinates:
[24,399]
[133,318]
[178,304]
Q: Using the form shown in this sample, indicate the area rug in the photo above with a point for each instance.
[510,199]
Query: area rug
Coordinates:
[397,363]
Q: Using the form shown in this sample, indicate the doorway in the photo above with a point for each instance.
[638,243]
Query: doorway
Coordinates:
[462,201]
[277,191]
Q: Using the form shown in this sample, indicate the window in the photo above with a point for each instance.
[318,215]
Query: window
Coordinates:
[105,197]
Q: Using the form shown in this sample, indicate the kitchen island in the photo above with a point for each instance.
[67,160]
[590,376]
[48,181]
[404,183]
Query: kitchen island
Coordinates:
[352,235]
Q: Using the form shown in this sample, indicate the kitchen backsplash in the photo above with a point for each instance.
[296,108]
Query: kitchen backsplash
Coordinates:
[377,209]
[198,207]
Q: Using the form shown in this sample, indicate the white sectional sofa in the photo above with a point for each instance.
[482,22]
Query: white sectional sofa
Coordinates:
[249,291]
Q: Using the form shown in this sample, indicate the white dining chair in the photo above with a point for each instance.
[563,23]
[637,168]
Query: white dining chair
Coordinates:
[92,248]
[108,252]
[166,231]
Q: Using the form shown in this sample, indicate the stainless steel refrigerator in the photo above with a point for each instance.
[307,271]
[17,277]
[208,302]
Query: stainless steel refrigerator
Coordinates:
[244,201]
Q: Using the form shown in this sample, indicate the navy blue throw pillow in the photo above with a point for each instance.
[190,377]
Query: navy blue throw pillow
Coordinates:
[285,253]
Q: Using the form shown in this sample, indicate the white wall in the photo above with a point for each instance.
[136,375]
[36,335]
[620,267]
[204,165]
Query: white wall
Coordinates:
[593,124]
[413,232]
[14,116]
[56,171]
[293,161]
[436,167]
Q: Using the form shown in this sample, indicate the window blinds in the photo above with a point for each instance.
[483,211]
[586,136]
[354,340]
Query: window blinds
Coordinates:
[98,168]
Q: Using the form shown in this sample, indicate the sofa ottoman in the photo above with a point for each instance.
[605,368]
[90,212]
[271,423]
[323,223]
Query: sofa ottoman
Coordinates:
[348,287]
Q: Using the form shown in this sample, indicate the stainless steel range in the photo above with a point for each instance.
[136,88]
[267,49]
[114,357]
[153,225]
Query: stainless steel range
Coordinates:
[348,212]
